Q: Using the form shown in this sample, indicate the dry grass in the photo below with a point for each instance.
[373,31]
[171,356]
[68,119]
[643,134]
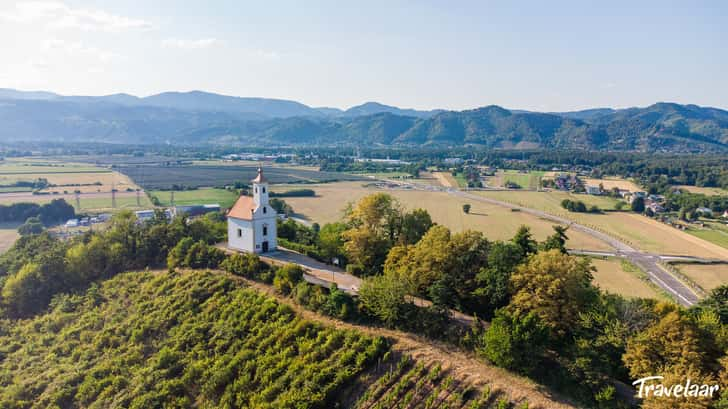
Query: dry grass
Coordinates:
[612,182]
[707,276]
[498,223]
[612,276]
[64,181]
[8,235]
[709,191]
[446,179]
[639,231]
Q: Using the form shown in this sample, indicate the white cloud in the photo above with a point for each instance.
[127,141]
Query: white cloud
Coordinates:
[190,44]
[58,47]
[57,15]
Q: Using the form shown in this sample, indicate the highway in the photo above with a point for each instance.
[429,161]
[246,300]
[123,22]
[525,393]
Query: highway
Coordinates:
[647,262]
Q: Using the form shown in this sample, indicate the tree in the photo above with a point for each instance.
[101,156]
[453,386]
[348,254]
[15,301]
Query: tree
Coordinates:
[177,255]
[466,208]
[26,291]
[414,225]
[554,286]
[638,204]
[422,264]
[674,343]
[383,297]
[330,241]
[677,349]
[494,280]
[524,240]
[515,342]
[374,224]
[31,226]
[556,241]
[717,301]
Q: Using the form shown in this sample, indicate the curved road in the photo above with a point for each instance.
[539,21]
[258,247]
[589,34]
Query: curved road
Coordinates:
[649,263]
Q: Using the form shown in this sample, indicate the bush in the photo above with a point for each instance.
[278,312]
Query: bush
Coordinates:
[244,264]
[515,342]
[287,277]
[31,226]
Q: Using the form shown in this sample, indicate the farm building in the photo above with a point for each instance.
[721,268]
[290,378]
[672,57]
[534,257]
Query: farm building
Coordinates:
[252,221]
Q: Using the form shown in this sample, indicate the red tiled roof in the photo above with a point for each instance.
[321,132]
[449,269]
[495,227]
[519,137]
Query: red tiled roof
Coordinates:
[243,208]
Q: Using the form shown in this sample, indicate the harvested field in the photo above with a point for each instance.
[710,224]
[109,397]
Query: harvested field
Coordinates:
[709,191]
[610,183]
[8,235]
[446,179]
[637,230]
[619,277]
[707,276]
[498,223]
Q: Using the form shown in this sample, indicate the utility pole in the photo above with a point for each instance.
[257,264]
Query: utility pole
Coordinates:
[137,196]
[171,198]
[78,200]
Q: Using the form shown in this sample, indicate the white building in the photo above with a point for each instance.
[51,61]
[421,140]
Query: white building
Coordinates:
[252,221]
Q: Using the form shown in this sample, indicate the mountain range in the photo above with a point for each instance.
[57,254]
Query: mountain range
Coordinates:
[205,118]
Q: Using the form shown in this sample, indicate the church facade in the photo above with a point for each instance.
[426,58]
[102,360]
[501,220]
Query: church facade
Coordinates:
[252,221]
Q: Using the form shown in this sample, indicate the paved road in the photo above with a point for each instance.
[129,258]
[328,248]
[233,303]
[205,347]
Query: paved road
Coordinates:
[649,263]
[324,275]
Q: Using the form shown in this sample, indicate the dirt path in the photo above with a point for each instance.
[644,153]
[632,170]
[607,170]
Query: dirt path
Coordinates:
[464,366]
[443,179]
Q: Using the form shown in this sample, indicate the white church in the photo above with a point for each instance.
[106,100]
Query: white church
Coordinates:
[252,221]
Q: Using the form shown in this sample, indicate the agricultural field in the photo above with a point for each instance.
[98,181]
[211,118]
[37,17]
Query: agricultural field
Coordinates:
[446,179]
[66,176]
[612,182]
[225,198]
[166,177]
[428,178]
[550,201]
[618,276]
[497,222]
[411,384]
[201,338]
[707,276]
[526,180]
[708,191]
[8,235]
[88,201]
[714,232]
[639,231]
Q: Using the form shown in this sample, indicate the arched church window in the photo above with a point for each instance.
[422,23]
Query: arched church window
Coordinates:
[263,190]
[256,189]
[265,209]
[265,230]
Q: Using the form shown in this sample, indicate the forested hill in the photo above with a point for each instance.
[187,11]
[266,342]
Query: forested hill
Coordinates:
[202,118]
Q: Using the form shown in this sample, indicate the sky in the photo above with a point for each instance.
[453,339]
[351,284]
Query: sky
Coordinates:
[536,55]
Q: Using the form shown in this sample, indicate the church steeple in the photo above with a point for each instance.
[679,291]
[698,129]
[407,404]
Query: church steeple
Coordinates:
[260,188]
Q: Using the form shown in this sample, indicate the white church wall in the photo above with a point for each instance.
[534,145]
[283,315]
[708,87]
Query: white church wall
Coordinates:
[240,234]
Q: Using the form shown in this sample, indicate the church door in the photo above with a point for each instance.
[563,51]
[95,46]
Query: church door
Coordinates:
[265,247]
